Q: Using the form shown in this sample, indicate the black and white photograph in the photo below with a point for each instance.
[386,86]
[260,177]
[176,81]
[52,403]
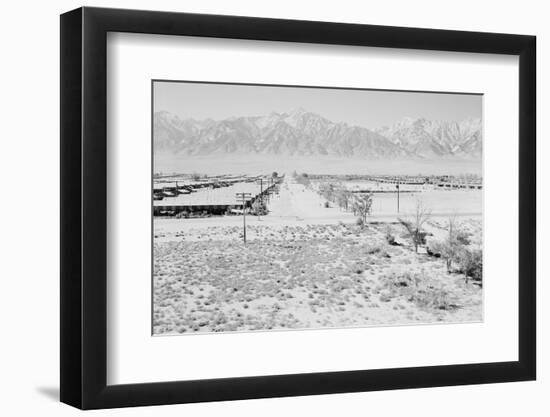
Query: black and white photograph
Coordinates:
[301,207]
[264,209]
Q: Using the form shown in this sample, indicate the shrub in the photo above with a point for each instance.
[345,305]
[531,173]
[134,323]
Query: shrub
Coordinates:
[414,227]
[423,292]
[453,245]
[390,238]
[303,179]
[414,233]
[470,263]
[371,250]
[442,249]
[436,298]
[385,297]
[327,205]
[259,208]
[462,237]
[359,221]
[432,250]
[404,280]
[344,197]
[362,206]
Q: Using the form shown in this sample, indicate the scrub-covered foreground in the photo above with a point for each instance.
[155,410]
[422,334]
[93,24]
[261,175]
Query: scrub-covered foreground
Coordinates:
[298,272]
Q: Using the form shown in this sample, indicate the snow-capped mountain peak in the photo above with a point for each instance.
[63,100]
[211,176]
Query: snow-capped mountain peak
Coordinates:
[300,132]
[433,138]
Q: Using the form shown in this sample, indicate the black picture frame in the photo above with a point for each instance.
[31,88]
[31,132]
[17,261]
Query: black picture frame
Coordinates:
[84,207]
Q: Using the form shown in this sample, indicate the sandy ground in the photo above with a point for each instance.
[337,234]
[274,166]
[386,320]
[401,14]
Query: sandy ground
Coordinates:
[304,266]
[239,164]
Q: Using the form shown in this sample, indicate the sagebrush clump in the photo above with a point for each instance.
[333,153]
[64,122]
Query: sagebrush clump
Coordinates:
[414,227]
[470,262]
[390,238]
[422,291]
[455,249]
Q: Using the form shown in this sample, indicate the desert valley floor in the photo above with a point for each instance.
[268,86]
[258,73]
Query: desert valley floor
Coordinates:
[306,265]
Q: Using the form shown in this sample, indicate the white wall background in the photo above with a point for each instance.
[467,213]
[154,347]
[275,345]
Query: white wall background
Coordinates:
[29,300]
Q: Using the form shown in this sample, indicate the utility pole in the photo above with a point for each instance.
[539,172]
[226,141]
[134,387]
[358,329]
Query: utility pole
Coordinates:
[397,186]
[242,198]
[261,191]
[261,198]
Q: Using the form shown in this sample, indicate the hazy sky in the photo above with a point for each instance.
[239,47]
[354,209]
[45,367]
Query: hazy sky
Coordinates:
[366,108]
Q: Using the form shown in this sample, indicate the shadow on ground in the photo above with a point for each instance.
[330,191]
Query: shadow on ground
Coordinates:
[50,392]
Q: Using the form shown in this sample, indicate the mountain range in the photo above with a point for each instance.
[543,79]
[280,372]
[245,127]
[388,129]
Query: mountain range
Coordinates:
[303,133]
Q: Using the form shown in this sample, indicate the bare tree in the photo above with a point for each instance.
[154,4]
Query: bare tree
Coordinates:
[258,208]
[327,191]
[415,226]
[343,197]
[452,247]
[362,206]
